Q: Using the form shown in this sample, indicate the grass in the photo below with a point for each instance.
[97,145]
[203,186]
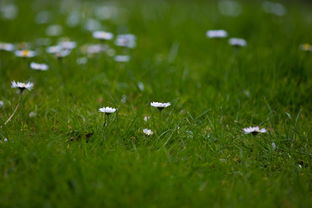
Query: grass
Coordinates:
[198,155]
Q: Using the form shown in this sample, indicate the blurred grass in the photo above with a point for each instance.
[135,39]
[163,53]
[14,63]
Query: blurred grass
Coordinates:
[198,156]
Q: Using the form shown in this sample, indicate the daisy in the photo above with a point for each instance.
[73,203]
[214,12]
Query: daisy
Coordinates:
[306,47]
[54,30]
[25,53]
[148,132]
[122,58]
[146,118]
[107,110]
[102,35]
[126,40]
[22,86]
[254,130]
[216,34]
[238,42]
[160,106]
[69,45]
[6,47]
[1,103]
[39,67]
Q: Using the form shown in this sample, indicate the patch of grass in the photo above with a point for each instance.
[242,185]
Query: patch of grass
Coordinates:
[198,155]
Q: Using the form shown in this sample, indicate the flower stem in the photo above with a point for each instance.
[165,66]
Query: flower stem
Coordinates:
[12,115]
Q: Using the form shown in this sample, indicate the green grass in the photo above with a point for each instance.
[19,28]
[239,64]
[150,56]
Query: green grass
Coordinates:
[198,155]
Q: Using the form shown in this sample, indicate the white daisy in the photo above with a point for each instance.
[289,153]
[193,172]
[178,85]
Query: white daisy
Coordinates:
[126,40]
[254,130]
[274,8]
[146,118]
[148,132]
[102,35]
[122,58]
[273,146]
[1,103]
[32,114]
[39,67]
[239,42]
[107,110]
[216,34]
[160,106]
[69,45]
[306,47]
[54,30]
[5,140]
[6,47]
[22,86]
[54,49]
[25,53]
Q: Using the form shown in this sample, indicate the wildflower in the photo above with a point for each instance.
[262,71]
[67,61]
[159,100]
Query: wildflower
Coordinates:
[273,146]
[25,53]
[216,34]
[32,114]
[82,60]
[160,106]
[54,30]
[238,42]
[39,67]
[230,8]
[122,58]
[102,35]
[141,86]
[306,47]
[126,40]
[148,132]
[5,140]
[254,130]
[6,47]
[1,103]
[68,45]
[107,110]
[146,118]
[274,8]
[92,25]
[22,86]
[8,11]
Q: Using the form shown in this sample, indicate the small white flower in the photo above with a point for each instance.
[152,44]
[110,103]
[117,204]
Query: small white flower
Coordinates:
[146,118]
[25,53]
[107,110]
[239,42]
[40,67]
[6,47]
[1,103]
[141,86]
[5,140]
[273,146]
[63,53]
[54,49]
[306,47]
[102,35]
[274,8]
[22,86]
[148,132]
[160,106]
[82,60]
[69,45]
[32,114]
[122,58]
[216,34]
[230,8]
[126,40]
[254,130]
[54,30]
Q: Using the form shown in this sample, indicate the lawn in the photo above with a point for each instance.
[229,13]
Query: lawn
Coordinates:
[58,150]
